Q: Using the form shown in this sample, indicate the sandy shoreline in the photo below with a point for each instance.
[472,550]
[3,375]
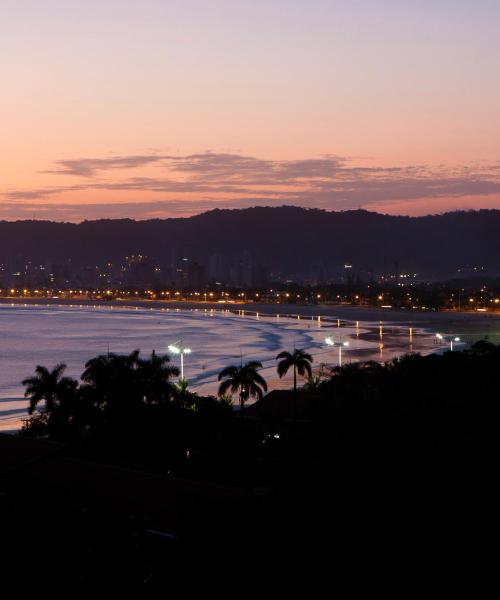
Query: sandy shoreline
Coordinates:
[373,334]
[369,338]
[341,311]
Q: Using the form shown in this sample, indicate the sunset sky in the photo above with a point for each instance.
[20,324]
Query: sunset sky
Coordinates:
[158,108]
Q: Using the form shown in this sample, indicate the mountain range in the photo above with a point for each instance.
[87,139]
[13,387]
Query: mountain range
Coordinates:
[288,240]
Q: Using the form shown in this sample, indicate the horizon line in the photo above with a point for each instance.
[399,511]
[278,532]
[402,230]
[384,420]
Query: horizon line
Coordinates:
[257,207]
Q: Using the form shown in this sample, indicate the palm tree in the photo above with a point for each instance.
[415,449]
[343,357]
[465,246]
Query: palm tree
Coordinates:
[313,383]
[105,371]
[181,393]
[115,380]
[48,386]
[154,375]
[244,380]
[301,361]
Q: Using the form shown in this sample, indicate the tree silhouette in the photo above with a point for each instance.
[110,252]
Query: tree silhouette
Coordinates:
[115,380]
[48,386]
[243,380]
[155,374]
[181,393]
[300,361]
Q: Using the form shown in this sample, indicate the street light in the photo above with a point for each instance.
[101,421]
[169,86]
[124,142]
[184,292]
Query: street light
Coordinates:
[451,339]
[330,342]
[178,348]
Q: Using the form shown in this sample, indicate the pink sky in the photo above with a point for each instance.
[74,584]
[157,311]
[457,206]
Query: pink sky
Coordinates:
[165,108]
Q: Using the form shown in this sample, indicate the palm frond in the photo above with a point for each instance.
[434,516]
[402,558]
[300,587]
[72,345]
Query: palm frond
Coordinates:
[283,366]
[304,368]
[225,386]
[228,372]
[258,379]
[253,364]
[58,370]
[306,356]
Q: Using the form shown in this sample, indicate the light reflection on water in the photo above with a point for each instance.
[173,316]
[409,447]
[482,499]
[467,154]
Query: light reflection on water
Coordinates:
[47,335]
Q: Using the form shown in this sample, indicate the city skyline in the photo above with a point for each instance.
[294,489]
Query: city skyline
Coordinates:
[156,109]
[244,247]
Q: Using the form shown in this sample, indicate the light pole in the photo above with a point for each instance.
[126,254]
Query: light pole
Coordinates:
[178,348]
[450,339]
[330,342]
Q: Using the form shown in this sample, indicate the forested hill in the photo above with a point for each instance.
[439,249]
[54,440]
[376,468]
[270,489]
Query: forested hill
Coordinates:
[286,239]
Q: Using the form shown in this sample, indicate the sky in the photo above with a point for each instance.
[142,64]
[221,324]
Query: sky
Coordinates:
[166,108]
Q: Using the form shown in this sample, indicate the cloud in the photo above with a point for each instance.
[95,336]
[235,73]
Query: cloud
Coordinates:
[132,210]
[197,182]
[40,193]
[89,167]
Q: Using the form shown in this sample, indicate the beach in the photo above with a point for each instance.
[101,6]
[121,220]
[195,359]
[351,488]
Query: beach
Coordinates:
[58,330]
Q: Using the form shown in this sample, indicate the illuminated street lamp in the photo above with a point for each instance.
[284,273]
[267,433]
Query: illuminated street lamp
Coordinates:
[178,348]
[330,342]
[451,339]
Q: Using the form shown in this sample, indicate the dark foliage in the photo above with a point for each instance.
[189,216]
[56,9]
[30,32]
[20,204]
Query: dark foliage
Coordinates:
[400,455]
[127,407]
[415,416]
[243,380]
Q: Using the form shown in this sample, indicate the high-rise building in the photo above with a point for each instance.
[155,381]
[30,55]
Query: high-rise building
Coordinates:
[218,270]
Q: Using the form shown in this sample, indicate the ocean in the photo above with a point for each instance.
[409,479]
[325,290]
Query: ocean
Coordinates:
[46,335]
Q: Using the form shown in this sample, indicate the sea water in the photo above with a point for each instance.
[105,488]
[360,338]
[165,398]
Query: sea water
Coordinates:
[47,335]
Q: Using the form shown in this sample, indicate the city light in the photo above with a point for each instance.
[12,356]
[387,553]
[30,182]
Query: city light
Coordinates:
[178,348]
[436,297]
[451,339]
[331,342]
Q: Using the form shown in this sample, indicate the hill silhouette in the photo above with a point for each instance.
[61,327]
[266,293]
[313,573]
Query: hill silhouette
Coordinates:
[289,240]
